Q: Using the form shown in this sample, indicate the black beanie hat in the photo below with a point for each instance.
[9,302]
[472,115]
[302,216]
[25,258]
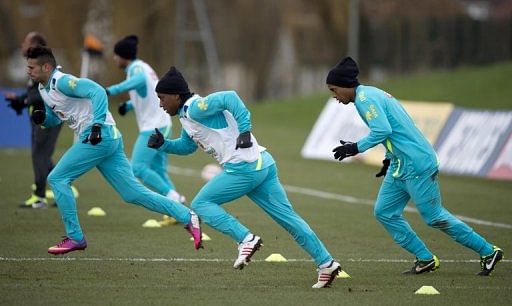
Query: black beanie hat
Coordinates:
[127,47]
[344,74]
[172,83]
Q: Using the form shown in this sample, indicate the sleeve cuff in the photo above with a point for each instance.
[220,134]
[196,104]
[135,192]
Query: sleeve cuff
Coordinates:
[164,147]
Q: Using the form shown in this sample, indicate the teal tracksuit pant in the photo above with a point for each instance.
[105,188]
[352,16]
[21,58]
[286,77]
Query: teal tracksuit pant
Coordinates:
[150,165]
[424,192]
[264,188]
[109,158]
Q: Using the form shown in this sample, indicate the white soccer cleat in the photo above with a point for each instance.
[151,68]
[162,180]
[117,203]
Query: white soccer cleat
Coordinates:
[175,196]
[326,275]
[246,250]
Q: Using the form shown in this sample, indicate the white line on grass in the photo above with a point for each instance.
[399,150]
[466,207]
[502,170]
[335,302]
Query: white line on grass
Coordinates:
[127,259]
[342,198]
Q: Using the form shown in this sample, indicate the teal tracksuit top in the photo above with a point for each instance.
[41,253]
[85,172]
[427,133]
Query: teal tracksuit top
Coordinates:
[410,152]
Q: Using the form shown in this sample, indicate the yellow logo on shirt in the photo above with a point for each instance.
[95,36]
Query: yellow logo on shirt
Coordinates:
[202,105]
[372,113]
[362,96]
[72,83]
[137,70]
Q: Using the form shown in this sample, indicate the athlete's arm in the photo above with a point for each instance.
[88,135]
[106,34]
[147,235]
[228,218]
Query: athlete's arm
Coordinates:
[380,129]
[125,107]
[51,118]
[135,81]
[179,146]
[85,88]
[220,101]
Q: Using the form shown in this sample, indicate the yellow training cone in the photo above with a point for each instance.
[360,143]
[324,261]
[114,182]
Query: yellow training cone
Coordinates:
[276,257]
[426,290]
[342,274]
[151,223]
[167,221]
[96,212]
[203,237]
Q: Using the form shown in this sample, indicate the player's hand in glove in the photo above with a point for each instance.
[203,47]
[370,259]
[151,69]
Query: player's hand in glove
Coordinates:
[156,140]
[16,104]
[244,140]
[38,116]
[95,137]
[384,169]
[346,149]
[122,109]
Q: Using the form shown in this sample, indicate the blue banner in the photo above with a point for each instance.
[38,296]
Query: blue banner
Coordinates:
[472,141]
[14,130]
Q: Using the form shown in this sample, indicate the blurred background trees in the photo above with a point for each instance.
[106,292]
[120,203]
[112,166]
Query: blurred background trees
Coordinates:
[265,48]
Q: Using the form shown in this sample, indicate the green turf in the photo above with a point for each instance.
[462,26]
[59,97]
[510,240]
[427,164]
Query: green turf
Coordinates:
[105,275]
[485,87]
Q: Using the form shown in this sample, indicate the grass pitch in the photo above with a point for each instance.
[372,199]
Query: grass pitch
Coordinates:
[126,264]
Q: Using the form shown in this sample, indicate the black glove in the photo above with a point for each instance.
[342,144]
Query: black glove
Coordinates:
[244,140]
[384,169]
[346,149]
[122,109]
[38,116]
[95,136]
[16,104]
[156,140]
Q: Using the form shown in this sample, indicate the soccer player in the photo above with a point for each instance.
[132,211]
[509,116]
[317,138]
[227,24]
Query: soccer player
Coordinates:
[220,125]
[83,105]
[410,168]
[43,140]
[150,166]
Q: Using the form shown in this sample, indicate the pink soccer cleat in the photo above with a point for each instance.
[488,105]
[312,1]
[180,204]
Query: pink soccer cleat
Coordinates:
[194,228]
[68,245]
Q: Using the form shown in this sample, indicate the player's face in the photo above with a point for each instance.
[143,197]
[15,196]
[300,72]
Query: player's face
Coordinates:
[120,62]
[169,102]
[343,95]
[38,73]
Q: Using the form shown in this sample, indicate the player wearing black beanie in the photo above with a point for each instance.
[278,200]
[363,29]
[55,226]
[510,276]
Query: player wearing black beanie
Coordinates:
[344,74]
[127,47]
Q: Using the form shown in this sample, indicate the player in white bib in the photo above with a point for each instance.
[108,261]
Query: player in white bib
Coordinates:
[83,105]
[220,125]
[150,166]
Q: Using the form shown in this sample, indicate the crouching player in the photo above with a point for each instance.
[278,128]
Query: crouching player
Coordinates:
[83,105]
[148,165]
[412,173]
[220,125]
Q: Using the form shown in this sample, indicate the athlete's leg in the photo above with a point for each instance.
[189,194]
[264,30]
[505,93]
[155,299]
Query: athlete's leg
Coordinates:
[389,207]
[271,197]
[142,159]
[79,159]
[43,145]
[224,188]
[160,162]
[117,171]
[159,165]
[427,196]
